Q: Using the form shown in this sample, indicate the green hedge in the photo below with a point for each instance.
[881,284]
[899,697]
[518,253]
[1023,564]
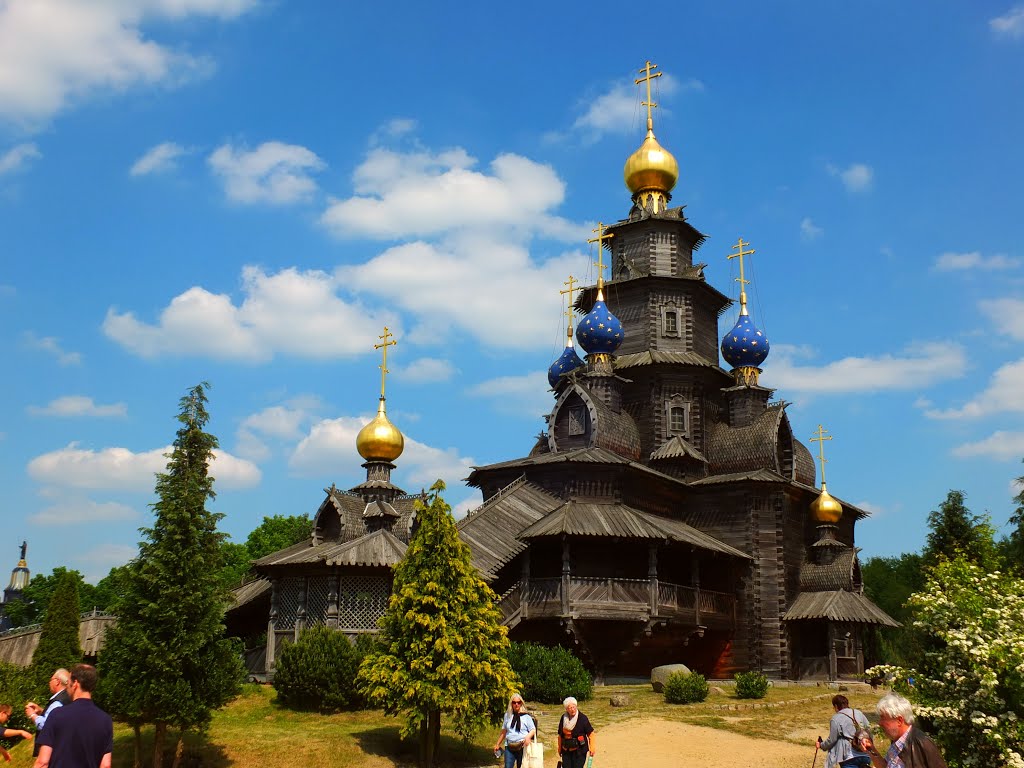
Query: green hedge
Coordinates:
[685,688]
[549,675]
[319,671]
[751,685]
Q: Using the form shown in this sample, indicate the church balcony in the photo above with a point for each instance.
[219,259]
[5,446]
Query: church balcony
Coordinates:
[616,599]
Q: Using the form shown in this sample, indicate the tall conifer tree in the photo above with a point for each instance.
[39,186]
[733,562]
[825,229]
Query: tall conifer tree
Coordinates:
[441,648]
[167,661]
[58,641]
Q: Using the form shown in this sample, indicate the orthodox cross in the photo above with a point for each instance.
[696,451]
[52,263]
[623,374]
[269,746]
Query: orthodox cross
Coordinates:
[740,253]
[571,282]
[601,237]
[383,346]
[648,77]
[820,440]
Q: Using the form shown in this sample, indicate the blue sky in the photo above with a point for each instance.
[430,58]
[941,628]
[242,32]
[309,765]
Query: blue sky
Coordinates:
[246,192]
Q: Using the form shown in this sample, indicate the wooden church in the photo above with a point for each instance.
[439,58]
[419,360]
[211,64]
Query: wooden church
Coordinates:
[667,514]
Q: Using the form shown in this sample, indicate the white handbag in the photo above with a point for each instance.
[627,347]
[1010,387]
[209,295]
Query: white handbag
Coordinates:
[533,756]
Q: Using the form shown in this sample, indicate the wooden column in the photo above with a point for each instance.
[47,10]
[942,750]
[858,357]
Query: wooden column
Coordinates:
[300,611]
[652,575]
[524,586]
[695,578]
[565,575]
[332,600]
[833,665]
[272,629]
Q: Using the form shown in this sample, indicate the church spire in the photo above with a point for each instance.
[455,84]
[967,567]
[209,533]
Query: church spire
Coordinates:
[600,332]
[380,440]
[569,360]
[824,509]
[651,172]
[745,347]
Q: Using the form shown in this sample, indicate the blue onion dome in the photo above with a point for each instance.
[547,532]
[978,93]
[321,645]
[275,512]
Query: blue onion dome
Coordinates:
[745,346]
[569,361]
[599,332]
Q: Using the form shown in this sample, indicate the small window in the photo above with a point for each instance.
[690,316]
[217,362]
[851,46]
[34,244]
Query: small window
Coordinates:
[677,419]
[671,323]
[577,420]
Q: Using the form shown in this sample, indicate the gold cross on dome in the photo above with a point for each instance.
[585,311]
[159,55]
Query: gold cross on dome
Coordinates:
[820,440]
[740,253]
[571,282]
[386,341]
[648,77]
[601,237]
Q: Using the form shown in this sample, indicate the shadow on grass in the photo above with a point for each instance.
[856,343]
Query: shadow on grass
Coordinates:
[198,752]
[455,751]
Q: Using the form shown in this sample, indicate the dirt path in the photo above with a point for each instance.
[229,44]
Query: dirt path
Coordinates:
[642,744]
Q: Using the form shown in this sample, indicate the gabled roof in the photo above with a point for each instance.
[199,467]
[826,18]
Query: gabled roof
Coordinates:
[579,518]
[677,447]
[574,456]
[840,606]
[248,592]
[754,476]
[378,508]
[654,356]
[380,548]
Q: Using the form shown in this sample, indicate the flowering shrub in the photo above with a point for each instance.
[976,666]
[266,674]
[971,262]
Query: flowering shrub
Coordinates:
[969,684]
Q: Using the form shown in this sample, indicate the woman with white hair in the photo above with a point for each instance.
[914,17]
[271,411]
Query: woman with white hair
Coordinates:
[575,736]
[517,731]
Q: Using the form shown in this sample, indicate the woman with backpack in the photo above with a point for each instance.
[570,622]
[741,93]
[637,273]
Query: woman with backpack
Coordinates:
[575,736]
[844,724]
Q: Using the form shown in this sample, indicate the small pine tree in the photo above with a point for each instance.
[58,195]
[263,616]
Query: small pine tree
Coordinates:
[441,647]
[167,662]
[318,672]
[58,641]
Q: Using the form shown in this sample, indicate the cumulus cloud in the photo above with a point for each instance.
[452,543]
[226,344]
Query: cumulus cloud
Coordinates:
[920,366]
[78,511]
[619,109]
[1004,394]
[1000,445]
[17,158]
[427,369]
[51,345]
[331,443]
[55,53]
[809,230]
[78,405]
[856,177]
[274,173]
[875,510]
[422,194]
[527,394]
[97,562]
[951,262]
[159,159]
[1010,24]
[291,312]
[121,469]
[1007,315]
[283,423]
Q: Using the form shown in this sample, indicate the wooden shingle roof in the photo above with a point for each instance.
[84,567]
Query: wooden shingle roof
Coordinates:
[677,447]
[840,606]
[580,518]
[574,456]
[380,548]
[738,449]
[654,356]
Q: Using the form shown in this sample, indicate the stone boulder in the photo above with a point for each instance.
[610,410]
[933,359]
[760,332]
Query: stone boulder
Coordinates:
[619,700]
[660,674]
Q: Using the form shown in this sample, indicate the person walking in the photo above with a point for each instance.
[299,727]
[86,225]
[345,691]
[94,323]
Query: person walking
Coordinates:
[79,734]
[517,731]
[59,696]
[911,747]
[841,729]
[9,733]
[575,736]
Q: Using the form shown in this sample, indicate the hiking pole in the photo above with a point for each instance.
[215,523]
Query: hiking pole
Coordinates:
[816,748]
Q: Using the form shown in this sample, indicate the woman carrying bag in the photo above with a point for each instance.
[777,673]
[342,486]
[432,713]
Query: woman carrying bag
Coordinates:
[517,732]
[575,736]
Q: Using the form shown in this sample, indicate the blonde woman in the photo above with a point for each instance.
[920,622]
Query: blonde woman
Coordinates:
[517,731]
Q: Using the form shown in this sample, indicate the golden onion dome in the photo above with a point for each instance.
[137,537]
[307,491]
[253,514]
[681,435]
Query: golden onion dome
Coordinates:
[651,167]
[380,440]
[826,509]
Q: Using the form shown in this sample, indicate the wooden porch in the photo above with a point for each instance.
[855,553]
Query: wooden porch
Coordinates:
[616,599]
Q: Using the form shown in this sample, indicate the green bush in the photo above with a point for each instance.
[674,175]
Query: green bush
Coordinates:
[751,685]
[685,688]
[318,672]
[17,685]
[549,675]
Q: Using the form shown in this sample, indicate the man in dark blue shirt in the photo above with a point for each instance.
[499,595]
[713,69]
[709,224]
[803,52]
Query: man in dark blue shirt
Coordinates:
[79,734]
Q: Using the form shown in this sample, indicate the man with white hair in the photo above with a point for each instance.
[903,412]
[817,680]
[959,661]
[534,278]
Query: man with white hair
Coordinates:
[58,698]
[911,747]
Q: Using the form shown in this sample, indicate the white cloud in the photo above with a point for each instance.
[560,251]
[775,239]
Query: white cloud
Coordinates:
[1007,315]
[78,405]
[528,394]
[78,511]
[274,173]
[618,110]
[856,177]
[920,366]
[159,159]
[332,443]
[99,560]
[290,312]
[949,262]
[876,510]
[1000,445]
[279,422]
[1010,24]
[122,469]
[1004,394]
[394,129]
[52,345]
[421,194]
[809,230]
[17,158]
[54,53]
[427,369]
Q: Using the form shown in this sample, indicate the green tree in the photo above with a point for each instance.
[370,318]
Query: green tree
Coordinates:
[58,641]
[888,583]
[1014,545]
[276,533]
[441,648]
[957,532]
[167,662]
